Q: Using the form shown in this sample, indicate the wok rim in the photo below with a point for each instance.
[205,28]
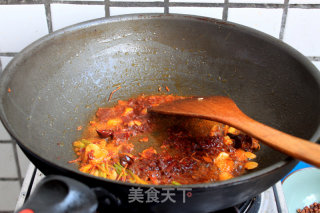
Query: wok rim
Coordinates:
[132,17]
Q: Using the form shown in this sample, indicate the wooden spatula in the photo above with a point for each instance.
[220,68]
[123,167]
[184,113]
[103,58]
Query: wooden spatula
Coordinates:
[224,110]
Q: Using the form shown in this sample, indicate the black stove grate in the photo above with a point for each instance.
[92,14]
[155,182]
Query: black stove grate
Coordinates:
[249,206]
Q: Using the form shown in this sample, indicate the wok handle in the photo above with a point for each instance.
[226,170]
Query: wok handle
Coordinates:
[60,194]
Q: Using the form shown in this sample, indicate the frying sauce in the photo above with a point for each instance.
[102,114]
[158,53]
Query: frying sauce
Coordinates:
[127,143]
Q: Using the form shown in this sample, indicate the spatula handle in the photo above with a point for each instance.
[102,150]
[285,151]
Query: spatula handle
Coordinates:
[288,144]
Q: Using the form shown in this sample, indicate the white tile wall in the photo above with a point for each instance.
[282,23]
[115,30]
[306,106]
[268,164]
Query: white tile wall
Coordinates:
[137,0]
[24,162]
[317,64]
[258,1]
[304,2]
[5,60]
[198,1]
[20,25]
[131,10]
[199,11]
[8,167]
[3,133]
[303,30]
[9,199]
[67,14]
[265,20]
[7,162]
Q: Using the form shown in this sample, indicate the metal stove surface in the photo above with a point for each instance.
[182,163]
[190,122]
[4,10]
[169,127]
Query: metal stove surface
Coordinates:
[270,201]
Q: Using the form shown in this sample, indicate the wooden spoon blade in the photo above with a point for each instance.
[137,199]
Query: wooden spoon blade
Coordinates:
[217,108]
[224,110]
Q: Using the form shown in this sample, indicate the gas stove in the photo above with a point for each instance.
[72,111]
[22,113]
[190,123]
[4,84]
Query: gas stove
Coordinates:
[270,201]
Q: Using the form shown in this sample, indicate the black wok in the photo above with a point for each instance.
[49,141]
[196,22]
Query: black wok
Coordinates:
[58,82]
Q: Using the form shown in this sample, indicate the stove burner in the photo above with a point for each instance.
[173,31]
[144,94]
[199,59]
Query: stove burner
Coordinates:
[249,206]
[270,201]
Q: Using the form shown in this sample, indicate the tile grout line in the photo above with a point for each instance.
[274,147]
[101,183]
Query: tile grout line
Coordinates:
[225,10]
[305,6]
[136,4]
[187,4]
[15,153]
[107,8]
[8,54]
[284,19]
[21,2]
[6,141]
[160,4]
[166,6]
[8,179]
[78,2]
[314,58]
[47,6]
